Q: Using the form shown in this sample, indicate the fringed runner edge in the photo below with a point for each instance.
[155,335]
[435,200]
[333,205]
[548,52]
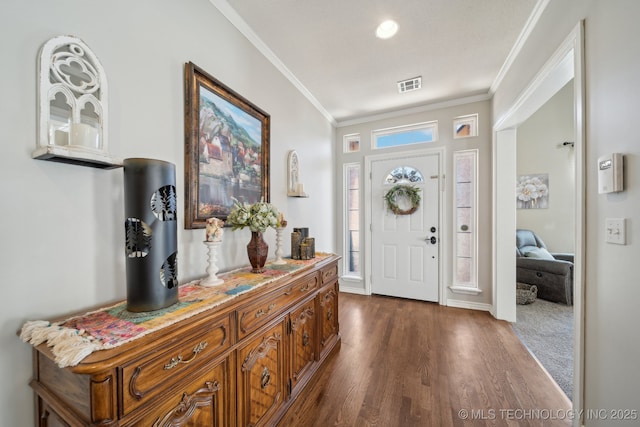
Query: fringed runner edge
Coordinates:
[70,346]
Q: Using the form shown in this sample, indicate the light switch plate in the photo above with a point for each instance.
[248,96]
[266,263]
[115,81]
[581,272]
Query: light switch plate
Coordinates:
[615,231]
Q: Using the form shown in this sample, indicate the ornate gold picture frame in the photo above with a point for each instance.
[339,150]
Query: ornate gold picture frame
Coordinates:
[226,149]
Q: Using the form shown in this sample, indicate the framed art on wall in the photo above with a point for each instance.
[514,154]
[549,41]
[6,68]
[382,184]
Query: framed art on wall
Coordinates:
[532,191]
[226,149]
[352,143]
[465,126]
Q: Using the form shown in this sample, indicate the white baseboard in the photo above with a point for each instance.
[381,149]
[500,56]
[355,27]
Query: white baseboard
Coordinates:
[352,290]
[469,305]
[450,302]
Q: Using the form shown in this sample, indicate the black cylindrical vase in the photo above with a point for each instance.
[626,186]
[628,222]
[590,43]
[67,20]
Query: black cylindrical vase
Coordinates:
[151,234]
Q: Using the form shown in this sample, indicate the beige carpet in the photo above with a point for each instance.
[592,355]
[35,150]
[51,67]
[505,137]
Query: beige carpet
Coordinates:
[546,328]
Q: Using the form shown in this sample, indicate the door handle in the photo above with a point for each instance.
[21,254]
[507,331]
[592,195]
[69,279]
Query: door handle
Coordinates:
[431,240]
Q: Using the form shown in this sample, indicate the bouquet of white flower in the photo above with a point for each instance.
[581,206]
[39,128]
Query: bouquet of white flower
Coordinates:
[258,216]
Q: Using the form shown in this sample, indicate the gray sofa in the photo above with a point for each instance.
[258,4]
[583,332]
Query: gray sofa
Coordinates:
[552,273]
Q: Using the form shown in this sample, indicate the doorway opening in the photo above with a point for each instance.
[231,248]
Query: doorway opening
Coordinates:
[566,64]
[545,215]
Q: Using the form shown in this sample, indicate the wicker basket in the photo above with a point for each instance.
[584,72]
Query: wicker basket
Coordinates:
[525,293]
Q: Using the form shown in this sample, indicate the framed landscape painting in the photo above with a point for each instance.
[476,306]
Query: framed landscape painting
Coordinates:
[226,149]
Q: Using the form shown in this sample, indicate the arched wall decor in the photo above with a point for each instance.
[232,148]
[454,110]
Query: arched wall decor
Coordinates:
[72,105]
[294,186]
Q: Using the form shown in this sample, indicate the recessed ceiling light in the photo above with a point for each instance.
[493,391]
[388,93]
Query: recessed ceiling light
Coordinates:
[387,29]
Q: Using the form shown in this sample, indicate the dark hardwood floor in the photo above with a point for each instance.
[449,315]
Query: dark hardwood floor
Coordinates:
[407,363]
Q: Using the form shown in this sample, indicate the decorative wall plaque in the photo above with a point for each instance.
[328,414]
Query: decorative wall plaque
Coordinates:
[72,105]
[294,186]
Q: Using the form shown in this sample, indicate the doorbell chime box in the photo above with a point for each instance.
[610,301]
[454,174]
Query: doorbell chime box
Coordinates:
[610,173]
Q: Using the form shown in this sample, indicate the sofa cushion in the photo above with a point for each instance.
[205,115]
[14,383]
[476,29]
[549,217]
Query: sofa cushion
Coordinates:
[539,253]
[527,238]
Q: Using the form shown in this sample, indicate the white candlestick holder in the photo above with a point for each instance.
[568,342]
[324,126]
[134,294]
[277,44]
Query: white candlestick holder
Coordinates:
[212,269]
[279,260]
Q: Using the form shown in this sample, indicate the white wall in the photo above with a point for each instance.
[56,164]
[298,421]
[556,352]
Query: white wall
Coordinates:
[444,114]
[612,64]
[539,151]
[62,228]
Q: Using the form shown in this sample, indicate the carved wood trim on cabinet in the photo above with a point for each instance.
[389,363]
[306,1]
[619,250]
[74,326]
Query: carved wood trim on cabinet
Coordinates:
[261,377]
[184,411]
[303,333]
[329,326]
[239,364]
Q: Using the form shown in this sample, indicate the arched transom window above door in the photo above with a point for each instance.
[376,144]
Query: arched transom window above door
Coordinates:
[404,174]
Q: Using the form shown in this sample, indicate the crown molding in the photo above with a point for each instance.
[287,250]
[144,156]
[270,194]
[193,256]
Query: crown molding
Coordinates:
[229,12]
[531,23]
[236,20]
[414,110]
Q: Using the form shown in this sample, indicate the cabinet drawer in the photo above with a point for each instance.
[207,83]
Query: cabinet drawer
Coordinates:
[329,273]
[144,378]
[203,400]
[258,313]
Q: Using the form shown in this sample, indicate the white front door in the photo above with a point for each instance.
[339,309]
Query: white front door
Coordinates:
[405,248]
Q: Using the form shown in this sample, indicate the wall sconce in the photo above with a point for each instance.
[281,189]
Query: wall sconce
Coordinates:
[295,187]
[72,105]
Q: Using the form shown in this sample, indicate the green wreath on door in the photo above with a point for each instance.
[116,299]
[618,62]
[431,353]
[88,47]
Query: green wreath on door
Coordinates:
[400,191]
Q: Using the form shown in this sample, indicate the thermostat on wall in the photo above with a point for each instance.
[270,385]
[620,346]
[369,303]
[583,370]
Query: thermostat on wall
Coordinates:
[610,173]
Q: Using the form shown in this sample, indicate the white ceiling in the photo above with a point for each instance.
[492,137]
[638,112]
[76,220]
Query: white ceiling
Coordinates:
[329,50]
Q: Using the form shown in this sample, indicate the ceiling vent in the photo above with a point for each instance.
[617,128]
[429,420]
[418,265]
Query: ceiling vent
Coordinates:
[410,84]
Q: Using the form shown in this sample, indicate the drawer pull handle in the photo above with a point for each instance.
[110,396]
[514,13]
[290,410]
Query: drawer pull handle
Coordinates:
[261,312]
[329,274]
[305,339]
[289,291]
[329,314]
[266,378]
[175,361]
[305,288]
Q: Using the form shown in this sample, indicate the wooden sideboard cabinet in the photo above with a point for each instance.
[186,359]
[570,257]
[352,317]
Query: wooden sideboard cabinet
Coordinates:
[241,363]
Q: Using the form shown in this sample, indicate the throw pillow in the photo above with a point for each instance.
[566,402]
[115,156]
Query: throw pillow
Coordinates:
[539,253]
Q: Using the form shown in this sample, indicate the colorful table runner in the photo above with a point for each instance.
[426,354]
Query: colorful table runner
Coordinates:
[76,337]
